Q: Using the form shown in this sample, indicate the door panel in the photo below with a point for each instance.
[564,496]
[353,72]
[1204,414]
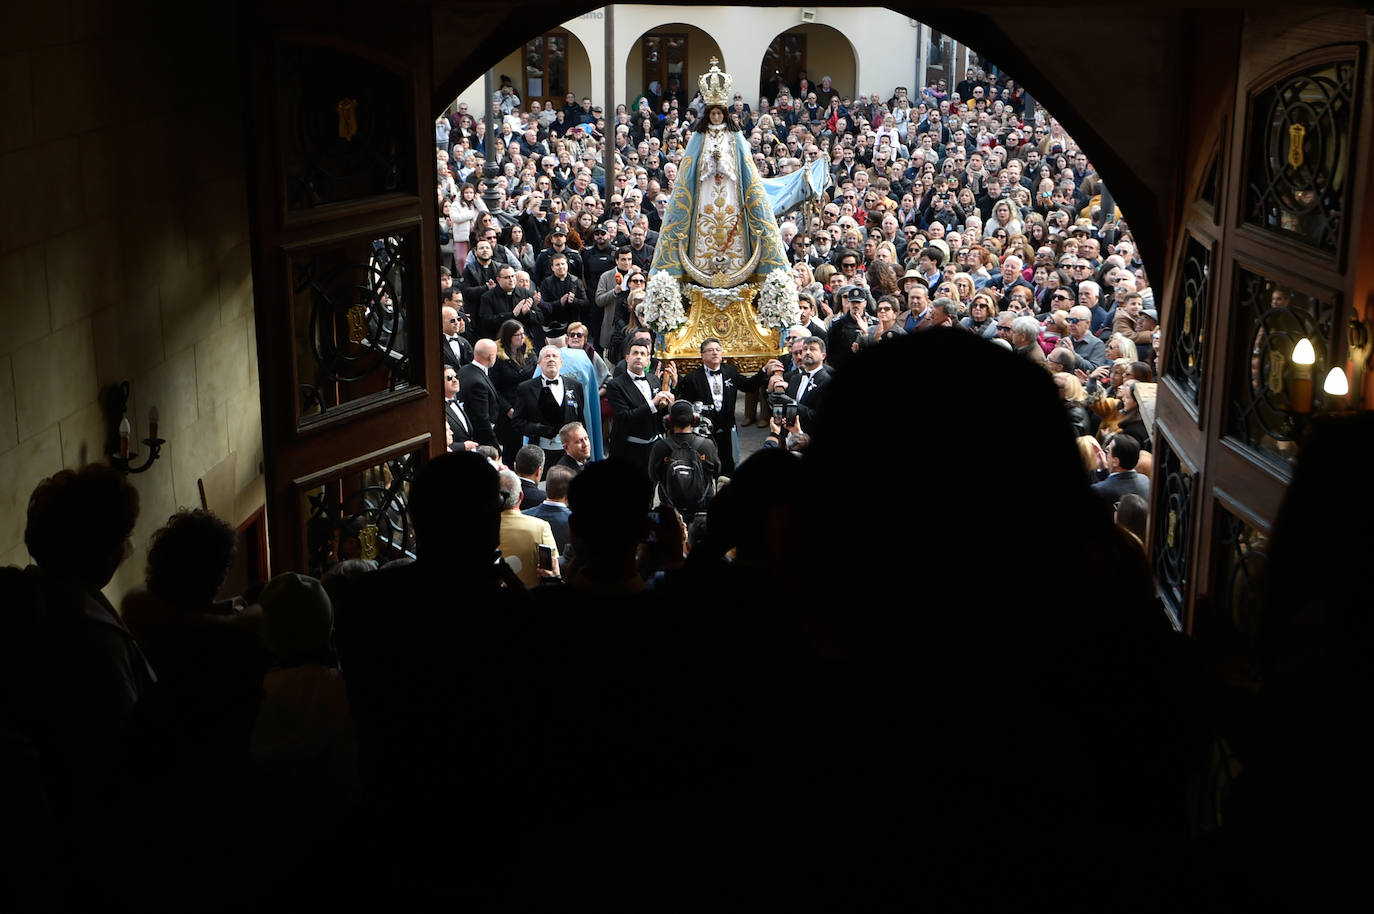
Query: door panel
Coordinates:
[1260,261]
[345,276]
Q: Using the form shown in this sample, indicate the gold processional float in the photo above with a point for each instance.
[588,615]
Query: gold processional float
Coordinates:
[719,242]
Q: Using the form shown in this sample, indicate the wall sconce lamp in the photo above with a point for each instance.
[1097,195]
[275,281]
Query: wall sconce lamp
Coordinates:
[1300,388]
[121,457]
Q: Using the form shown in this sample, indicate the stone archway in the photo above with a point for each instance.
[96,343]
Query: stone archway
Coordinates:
[699,47]
[815,49]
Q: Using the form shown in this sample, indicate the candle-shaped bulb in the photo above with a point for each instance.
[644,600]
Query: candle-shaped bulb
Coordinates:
[1336,383]
[152,424]
[125,429]
[1300,387]
[1303,353]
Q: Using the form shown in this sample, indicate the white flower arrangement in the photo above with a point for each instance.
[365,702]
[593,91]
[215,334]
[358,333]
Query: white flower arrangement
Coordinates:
[778,308]
[663,311]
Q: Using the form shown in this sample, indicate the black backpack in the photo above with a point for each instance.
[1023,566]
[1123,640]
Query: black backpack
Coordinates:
[685,485]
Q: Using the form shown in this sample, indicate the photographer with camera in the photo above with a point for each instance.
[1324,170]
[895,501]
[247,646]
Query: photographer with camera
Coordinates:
[684,463]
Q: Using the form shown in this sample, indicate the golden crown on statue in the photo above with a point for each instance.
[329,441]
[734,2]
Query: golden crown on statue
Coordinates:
[715,85]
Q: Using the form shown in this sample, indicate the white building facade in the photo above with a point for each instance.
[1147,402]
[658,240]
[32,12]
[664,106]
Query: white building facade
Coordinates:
[862,50]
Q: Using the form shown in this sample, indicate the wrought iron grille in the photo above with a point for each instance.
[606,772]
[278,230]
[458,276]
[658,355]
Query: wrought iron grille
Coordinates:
[1188,333]
[1270,320]
[362,514]
[1243,551]
[1173,531]
[1300,154]
[351,309]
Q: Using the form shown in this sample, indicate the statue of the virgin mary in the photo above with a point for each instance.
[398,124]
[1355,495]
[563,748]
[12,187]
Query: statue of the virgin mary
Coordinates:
[719,230]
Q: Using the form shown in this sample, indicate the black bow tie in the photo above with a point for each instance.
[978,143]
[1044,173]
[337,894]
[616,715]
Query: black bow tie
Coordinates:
[713,371]
[639,378]
[553,383]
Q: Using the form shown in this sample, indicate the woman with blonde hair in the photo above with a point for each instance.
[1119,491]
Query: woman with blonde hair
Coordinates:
[1121,346]
[806,281]
[887,253]
[1003,218]
[965,286]
[1092,455]
[1071,392]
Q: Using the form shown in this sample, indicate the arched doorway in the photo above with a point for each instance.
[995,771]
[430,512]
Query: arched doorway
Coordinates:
[545,68]
[813,51]
[554,64]
[668,54]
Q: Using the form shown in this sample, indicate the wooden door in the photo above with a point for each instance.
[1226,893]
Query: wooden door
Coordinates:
[1266,256]
[345,276]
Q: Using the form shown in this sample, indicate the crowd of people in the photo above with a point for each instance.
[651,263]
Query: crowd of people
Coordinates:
[954,208]
[630,666]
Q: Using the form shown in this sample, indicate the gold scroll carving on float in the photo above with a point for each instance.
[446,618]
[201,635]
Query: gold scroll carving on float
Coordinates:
[729,316]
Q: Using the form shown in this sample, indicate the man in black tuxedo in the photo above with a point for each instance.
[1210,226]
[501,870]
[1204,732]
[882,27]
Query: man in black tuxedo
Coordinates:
[455,415]
[716,385]
[546,402]
[639,403]
[1123,453]
[456,350]
[807,386]
[479,395]
[529,466]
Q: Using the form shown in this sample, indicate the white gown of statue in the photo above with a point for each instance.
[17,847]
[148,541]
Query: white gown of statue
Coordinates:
[718,229]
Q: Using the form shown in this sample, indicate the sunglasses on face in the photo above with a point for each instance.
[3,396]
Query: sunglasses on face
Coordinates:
[450,377]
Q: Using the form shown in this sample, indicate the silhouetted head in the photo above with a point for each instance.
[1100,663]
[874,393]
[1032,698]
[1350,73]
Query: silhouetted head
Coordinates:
[456,509]
[79,522]
[189,558]
[754,514]
[609,501]
[908,399]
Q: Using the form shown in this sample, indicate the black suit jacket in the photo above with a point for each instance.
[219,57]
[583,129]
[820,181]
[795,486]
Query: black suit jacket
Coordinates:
[634,418]
[531,494]
[496,307]
[697,388]
[815,393]
[481,401]
[452,360]
[539,415]
[460,434]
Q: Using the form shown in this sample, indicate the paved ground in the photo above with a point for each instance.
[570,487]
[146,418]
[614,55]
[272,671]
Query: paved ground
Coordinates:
[751,438]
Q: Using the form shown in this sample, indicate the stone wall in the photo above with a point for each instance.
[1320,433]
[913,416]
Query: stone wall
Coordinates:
[123,250]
